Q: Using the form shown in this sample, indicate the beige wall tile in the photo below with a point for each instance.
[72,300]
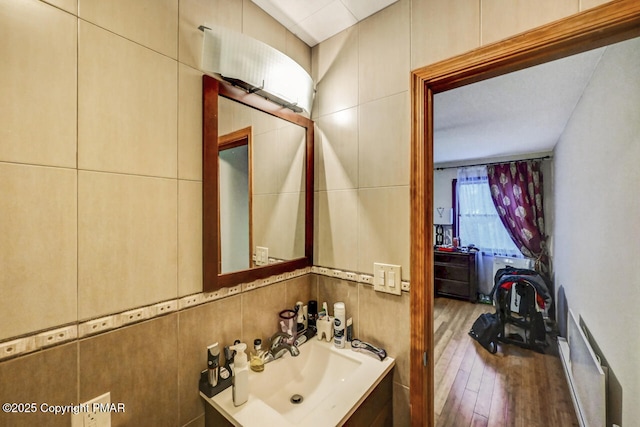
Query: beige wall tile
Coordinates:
[233,116]
[383,228]
[127,242]
[299,51]
[49,376]
[588,4]
[279,224]
[268,163]
[38,255]
[189,237]
[383,54]
[336,230]
[292,149]
[383,150]
[38,84]
[138,365]
[301,288]
[335,72]
[385,322]
[504,19]
[261,26]
[267,302]
[152,23]
[335,290]
[443,28]
[200,327]
[127,100]
[336,151]
[401,407]
[68,5]
[194,13]
[189,123]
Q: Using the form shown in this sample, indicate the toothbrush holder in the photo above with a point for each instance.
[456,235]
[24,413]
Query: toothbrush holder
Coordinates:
[287,323]
[325,328]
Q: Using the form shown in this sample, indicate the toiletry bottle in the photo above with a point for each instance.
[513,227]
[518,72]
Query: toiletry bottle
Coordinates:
[257,363]
[240,389]
[339,324]
[213,364]
[313,312]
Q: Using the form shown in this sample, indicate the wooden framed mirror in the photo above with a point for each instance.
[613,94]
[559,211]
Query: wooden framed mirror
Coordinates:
[272,192]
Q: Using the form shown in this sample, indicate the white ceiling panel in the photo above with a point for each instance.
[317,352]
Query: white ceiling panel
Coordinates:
[314,21]
[517,113]
[364,8]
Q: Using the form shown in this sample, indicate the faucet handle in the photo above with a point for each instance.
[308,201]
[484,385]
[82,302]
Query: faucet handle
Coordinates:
[278,338]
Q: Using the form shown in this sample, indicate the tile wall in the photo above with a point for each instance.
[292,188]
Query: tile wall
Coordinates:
[100,177]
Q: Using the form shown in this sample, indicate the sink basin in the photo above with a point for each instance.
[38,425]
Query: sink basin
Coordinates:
[322,386]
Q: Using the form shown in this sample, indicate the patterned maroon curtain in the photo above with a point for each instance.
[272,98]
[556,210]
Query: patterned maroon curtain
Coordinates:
[516,188]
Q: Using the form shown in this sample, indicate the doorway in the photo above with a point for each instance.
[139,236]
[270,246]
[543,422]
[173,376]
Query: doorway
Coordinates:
[612,22]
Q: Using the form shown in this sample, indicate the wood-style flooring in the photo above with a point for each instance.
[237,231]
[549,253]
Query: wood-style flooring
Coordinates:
[514,387]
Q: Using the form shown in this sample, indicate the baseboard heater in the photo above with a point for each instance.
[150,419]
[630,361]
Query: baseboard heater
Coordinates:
[586,377]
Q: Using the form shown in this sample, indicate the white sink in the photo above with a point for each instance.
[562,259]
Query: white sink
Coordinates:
[332,383]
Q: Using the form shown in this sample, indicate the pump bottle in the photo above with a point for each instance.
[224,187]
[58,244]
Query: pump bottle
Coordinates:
[240,388]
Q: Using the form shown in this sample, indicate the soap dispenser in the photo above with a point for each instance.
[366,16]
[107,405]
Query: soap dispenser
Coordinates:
[240,375]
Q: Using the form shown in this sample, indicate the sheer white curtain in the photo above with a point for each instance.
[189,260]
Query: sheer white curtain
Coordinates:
[479,223]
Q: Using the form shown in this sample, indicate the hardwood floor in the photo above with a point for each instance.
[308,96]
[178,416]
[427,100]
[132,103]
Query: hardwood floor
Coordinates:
[514,387]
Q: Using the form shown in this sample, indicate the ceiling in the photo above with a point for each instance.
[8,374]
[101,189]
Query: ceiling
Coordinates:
[314,21]
[518,113]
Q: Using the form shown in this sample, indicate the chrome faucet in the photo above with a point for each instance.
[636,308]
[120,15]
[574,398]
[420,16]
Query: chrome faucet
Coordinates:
[279,347]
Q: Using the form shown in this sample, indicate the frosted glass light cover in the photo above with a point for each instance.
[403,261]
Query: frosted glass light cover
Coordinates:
[241,57]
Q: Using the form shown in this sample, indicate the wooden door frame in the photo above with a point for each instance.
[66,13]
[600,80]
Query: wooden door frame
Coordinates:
[610,23]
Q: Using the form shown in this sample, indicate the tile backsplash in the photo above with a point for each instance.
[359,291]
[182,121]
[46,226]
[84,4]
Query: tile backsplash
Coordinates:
[150,358]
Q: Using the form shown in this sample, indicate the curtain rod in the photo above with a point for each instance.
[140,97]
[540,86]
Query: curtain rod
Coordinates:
[492,163]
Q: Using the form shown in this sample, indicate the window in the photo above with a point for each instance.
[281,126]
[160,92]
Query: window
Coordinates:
[477,219]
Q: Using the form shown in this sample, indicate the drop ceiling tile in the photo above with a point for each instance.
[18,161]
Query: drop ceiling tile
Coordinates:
[291,12]
[314,21]
[328,21]
[364,8]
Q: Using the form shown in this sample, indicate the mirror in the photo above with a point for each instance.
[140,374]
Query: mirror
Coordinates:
[257,187]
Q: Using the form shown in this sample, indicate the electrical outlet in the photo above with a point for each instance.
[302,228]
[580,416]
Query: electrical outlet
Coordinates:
[166,307]
[405,286]
[190,300]
[365,278]
[212,296]
[56,336]
[133,316]
[338,274]
[93,413]
[15,347]
[249,286]
[98,325]
[235,290]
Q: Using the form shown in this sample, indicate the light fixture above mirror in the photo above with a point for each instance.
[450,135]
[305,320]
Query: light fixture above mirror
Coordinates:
[257,68]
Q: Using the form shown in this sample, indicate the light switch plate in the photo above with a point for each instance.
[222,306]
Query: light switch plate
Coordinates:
[262,255]
[387,278]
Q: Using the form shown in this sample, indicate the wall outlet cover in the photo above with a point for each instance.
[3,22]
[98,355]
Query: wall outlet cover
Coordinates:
[94,413]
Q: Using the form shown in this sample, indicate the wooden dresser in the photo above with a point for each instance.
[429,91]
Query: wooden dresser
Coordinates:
[455,275]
